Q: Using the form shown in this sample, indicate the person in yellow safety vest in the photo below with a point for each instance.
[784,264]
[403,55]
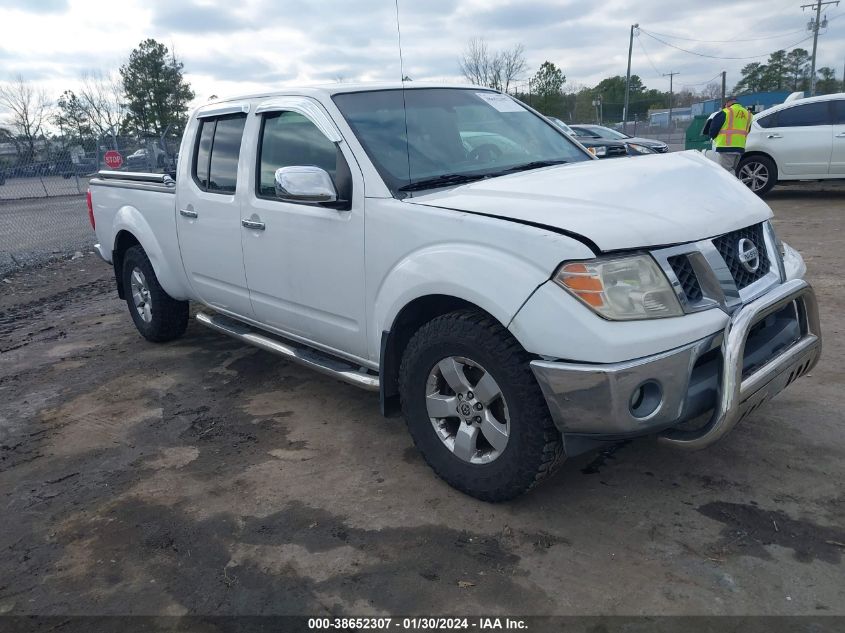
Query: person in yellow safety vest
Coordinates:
[728,131]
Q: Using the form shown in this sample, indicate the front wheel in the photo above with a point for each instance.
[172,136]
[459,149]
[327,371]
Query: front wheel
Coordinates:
[474,409]
[158,316]
[758,173]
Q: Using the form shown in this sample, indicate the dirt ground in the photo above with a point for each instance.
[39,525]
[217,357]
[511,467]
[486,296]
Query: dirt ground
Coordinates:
[205,477]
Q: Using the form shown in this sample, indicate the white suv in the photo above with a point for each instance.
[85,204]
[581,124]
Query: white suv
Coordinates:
[797,140]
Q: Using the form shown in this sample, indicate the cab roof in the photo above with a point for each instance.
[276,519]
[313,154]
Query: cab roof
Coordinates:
[327,90]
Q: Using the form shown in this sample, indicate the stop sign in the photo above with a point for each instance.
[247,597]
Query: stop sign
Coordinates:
[113,159]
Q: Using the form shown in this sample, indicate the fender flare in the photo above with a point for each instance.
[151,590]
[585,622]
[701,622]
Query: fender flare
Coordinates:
[439,279]
[129,220]
[496,281]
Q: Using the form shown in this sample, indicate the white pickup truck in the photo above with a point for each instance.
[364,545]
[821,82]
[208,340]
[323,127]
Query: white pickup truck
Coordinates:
[447,246]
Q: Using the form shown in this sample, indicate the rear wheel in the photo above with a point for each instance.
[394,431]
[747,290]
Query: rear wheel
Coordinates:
[758,173]
[474,409]
[158,316]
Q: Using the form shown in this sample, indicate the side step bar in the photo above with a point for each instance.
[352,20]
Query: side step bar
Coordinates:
[323,363]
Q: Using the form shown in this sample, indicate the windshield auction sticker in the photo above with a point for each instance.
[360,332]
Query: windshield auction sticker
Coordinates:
[503,103]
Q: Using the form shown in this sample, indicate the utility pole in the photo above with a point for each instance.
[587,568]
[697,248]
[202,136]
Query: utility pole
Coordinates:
[816,24]
[724,93]
[628,80]
[671,93]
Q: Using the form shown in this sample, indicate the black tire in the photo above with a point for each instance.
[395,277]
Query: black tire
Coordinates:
[168,318]
[758,173]
[534,447]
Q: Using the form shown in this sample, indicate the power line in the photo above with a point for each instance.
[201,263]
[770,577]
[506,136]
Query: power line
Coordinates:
[685,50]
[701,83]
[640,42]
[750,39]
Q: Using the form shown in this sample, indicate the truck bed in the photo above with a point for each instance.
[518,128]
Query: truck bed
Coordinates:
[140,206]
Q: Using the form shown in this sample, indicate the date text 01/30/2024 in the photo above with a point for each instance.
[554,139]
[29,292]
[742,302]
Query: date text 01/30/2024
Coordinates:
[417,623]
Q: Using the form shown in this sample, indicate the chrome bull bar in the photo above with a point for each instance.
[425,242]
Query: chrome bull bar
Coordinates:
[738,397]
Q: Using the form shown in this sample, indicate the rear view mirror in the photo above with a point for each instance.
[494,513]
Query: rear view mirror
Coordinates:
[304,183]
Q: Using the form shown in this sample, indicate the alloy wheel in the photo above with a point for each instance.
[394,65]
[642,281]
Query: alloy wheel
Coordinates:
[754,175]
[141,295]
[467,410]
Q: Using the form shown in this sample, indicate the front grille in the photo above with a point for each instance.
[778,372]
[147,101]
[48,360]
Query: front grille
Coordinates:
[617,151]
[662,149]
[686,275]
[728,247]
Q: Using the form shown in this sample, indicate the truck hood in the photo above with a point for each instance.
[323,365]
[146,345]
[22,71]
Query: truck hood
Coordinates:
[646,201]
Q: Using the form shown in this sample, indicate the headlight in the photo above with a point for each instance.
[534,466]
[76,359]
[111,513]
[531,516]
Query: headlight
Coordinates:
[601,150]
[621,288]
[639,149]
[778,243]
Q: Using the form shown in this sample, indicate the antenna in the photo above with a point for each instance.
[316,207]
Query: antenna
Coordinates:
[404,103]
[399,36]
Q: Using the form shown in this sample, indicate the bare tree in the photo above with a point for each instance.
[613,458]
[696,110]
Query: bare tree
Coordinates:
[101,97]
[477,64]
[513,65]
[28,106]
[712,91]
[495,69]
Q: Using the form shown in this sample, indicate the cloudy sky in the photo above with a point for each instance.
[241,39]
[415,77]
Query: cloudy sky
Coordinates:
[231,47]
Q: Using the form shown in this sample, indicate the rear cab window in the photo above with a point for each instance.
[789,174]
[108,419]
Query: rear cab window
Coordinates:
[216,153]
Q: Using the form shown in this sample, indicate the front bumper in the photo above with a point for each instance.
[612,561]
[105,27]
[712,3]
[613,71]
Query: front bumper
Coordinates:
[765,346]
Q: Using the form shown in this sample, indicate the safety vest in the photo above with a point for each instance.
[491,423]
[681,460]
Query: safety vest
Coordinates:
[735,129]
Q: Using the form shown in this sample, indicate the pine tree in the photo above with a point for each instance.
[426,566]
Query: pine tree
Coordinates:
[156,92]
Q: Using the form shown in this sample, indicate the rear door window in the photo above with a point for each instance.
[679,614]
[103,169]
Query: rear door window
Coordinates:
[770,120]
[218,149]
[817,113]
[839,112]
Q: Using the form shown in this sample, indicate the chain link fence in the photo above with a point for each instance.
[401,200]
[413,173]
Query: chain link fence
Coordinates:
[63,168]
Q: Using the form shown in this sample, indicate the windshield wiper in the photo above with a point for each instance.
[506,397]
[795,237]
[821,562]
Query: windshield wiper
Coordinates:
[535,164]
[442,181]
[458,179]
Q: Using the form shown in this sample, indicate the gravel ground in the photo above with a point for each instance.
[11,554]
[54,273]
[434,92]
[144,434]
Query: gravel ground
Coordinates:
[35,231]
[206,477]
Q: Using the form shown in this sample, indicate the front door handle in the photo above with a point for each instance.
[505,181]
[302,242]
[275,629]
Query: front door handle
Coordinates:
[253,224]
[188,213]
[774,136]
[841,135]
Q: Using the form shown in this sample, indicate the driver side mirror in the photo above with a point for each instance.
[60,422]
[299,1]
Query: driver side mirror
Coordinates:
[304,183]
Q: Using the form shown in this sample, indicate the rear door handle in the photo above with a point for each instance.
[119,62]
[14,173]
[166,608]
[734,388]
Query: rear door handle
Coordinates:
[841,135]
[253,224]
[188,213]
[774,136]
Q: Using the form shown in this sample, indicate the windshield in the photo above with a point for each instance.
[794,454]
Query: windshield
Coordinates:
[453,135]
[606,132]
